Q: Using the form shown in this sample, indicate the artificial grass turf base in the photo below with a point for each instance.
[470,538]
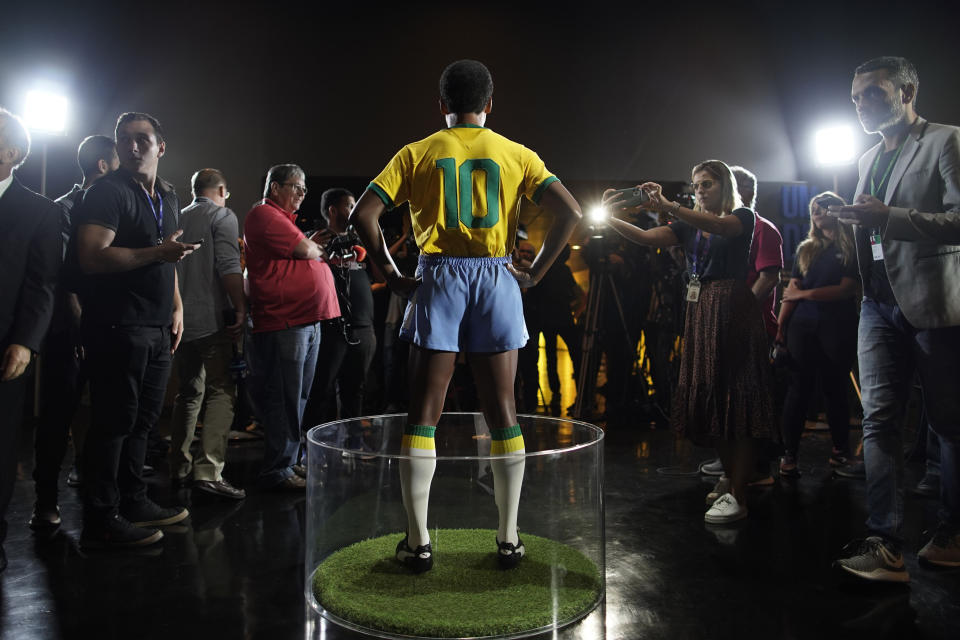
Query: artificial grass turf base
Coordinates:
[465,594]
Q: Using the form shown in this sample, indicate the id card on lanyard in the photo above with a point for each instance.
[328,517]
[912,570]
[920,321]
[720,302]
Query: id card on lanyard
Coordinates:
[699,258]
[877,189]
[157,213]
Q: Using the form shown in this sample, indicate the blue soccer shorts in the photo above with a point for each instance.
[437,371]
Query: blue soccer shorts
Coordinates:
[465,304]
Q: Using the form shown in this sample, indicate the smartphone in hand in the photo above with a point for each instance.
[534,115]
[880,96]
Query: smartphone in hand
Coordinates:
[629,197]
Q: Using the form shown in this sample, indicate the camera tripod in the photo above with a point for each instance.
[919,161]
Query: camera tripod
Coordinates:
[601,285]
[659,331]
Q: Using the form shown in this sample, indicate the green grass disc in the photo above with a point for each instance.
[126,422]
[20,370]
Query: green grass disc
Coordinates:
[465,594]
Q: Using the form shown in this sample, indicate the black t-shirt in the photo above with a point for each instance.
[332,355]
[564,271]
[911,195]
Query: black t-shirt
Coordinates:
[361,299]
[825,270]
[142,296]
[876,283]
[727,258]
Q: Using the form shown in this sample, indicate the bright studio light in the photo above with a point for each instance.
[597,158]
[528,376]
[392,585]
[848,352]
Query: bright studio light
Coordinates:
[46,111]
[597,215]
[835,145]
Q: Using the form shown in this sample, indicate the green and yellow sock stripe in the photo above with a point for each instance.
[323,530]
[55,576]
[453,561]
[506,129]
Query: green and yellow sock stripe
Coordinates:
[419,436]
[506,440]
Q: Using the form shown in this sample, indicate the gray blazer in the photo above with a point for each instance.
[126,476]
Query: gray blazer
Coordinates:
[921,241]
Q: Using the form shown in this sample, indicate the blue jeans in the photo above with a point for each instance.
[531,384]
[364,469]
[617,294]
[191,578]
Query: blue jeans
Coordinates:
[890,350]
[283,366]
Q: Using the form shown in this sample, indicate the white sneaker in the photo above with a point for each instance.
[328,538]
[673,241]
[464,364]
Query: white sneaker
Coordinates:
[725,509]
[722,487]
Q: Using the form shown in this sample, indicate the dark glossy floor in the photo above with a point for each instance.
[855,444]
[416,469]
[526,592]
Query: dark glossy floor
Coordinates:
[235,570]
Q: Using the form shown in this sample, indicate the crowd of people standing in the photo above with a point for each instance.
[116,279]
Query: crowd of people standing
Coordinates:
[146,287]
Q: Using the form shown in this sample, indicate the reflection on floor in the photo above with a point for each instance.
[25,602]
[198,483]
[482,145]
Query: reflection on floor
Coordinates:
[236,570]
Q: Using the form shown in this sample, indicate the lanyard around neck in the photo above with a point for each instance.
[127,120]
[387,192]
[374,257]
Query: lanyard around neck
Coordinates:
[157,212]
[875,188]
[700,254]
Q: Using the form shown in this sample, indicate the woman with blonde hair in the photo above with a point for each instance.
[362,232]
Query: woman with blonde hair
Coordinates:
[722,398]
[818,327]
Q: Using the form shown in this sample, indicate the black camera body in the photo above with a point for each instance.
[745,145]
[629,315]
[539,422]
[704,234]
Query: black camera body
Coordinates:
[341,246]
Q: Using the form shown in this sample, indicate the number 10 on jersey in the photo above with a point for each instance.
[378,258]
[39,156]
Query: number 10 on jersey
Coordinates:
[458,204]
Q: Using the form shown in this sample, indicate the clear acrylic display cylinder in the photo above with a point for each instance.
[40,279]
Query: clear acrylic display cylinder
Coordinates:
[355,518]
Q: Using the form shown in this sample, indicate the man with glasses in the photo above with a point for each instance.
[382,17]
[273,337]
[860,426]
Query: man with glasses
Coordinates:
[291,292]
[215,312]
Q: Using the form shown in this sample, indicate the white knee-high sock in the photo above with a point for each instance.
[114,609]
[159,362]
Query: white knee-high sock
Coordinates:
[416,474]
[507,479]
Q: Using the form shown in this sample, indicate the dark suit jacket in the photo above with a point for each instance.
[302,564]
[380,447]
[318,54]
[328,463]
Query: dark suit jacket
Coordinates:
[921,241]
[29,261]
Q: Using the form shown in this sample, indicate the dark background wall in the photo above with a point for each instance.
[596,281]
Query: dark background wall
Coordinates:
[602,93]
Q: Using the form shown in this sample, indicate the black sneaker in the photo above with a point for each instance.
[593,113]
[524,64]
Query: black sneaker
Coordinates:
[418,560]
[854,469]
[943,550]
[220,488]
[510,555]
[928,487]
[74,479]
[117,531]
[873,559]
[149,514]
[45,517]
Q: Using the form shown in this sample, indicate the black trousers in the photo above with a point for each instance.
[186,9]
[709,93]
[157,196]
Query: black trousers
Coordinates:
[62,377]
[11,418]
[129,368]
[341,373]
[828,354]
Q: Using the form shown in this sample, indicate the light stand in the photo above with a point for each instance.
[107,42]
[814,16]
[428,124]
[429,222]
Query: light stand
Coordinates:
[46,114]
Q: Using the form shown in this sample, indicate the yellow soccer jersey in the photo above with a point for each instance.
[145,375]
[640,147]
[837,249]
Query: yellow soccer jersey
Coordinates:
[464,185]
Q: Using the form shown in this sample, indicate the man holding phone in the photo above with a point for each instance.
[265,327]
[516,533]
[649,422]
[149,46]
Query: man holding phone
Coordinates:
[127,245]
[907,228]
[215,312]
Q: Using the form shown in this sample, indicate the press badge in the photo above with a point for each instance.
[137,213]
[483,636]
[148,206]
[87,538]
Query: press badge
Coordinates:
[876,246]
[693,290]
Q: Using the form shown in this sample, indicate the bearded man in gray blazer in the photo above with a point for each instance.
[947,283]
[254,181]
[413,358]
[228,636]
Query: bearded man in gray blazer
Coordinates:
[907,217]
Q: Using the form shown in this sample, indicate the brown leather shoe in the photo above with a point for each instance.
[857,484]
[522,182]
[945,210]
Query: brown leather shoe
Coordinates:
[293,483]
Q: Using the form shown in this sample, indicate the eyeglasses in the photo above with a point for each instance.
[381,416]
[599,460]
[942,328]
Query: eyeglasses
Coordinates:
[302,190]
[706,184]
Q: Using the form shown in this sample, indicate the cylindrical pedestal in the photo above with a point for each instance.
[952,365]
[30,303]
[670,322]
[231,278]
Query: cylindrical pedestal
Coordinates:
[355,518]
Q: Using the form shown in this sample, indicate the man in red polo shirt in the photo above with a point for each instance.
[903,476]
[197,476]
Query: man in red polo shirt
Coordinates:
[291,291]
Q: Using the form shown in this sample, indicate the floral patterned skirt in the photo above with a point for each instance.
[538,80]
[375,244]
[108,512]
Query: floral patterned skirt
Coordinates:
[725,389]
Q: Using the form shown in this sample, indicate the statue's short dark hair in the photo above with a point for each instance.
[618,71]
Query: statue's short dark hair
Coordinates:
[900,70]
[331,198]
[92,150]
[466,86]
[131,116]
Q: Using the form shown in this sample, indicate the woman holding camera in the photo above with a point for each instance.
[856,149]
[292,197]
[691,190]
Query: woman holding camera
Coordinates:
[722,397]
[818,327]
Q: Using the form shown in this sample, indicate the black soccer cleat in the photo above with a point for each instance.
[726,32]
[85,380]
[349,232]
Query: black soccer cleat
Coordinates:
[418,560]
[509,555]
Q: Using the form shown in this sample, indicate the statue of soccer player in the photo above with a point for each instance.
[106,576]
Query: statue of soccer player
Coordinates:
[464,185]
